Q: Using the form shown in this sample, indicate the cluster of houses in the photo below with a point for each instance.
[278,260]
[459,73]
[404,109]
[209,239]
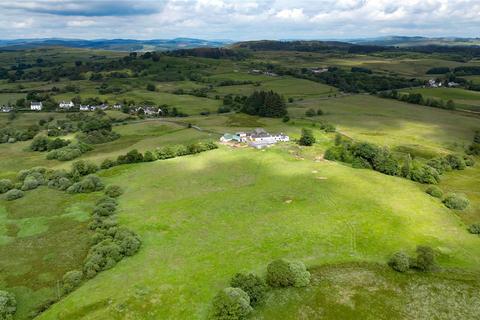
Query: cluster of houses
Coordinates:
[69,105]
[267,73]
[258,138]
[317,70]
[432,83]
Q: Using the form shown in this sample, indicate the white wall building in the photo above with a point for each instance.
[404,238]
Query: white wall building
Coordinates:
[36,106]
[66,105]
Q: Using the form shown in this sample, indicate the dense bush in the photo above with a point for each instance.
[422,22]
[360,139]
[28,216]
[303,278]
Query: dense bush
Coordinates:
[455,161]
[425,259]
[59,179]
[83,168]
[231,304]
[307,138]
[107,163]
[102,256]
[70,152]
[113,191]
[310,113]
[254,286]
[399,262]
[434,191]
[456,202]
[283,273]
[98,136]
[474,228]
[128,241]
[8,305]
[42,143]
[149,156]
[32,181]
[5,185]
[132,156]
[90,183]
[424,173]
[14,194]
[71,280]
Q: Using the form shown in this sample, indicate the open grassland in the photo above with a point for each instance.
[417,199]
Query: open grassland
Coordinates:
[203,218]
[370,291]
[465,99]
[42,236]
[393,123]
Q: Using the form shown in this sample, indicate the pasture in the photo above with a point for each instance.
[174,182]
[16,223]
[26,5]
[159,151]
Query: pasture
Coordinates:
[465,99]
[203,218]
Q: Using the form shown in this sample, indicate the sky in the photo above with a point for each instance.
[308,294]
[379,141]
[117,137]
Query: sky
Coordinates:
[237,20]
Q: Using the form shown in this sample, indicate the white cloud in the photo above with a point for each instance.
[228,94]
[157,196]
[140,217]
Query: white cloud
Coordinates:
[291,14]
[81,23]
[248,19]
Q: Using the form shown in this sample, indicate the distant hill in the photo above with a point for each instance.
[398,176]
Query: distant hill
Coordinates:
[114,44]
[401,41]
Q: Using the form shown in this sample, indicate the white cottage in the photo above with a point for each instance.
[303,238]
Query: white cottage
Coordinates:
[36,106]
[66,105]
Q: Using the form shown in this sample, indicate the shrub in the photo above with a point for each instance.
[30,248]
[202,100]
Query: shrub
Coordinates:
[149,157]
[425,259]
[70,152]
[32,181]
[469,161]
[98,136]
[254,286]
[455,161]
[319,112]
[128,241]
[59,180]
[474,228]
[5,185]
[283,273]
[71,280]
[424,173]
[231,304]
[90,183]
[113,191]
[399,262]
[456,202]
[360,163]
[107,163]
[8,305]
[132,156]
[39,143]
[307,138]
[83,168]
[328,127]
[14,194]
[102,256]
[434,191]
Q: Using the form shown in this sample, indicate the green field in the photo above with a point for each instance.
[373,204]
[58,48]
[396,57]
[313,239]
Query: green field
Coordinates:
[465,99]
[236,210]
[204,217]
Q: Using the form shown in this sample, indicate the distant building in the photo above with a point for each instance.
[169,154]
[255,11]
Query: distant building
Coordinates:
[117,106]
[84,108]
[318,70]
[6,109]
[66,105]
[36,106]
[258,138]
[453,84]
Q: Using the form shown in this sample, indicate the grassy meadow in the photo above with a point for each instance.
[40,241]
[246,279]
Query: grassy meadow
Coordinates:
[202,218]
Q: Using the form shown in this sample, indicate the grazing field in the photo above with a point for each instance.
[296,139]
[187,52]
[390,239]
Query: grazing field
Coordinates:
[465,99]
[338,292]
[393,123]
[203,218]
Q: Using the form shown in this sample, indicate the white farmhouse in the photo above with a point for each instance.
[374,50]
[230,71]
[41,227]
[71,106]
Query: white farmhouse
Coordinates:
[258,138]
[117,106]
[66,105]
[84,108]
[36,106]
